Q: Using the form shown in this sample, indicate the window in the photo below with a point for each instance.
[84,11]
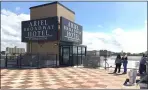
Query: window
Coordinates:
[74,50]
[83,50]
[79,50]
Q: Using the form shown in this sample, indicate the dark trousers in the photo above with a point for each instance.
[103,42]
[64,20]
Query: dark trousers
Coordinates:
[142,68]
[118,66]
[125,67]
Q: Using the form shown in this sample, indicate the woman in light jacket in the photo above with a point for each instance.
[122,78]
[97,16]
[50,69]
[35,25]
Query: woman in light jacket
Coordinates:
[118,63]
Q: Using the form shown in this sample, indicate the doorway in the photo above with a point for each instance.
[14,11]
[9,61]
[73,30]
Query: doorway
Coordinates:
[65,56]
[71,55]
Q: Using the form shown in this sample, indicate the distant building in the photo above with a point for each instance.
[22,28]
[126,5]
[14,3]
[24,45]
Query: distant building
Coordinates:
[15,50]
[99,53]
[105,53]
[3,52]
[93,53]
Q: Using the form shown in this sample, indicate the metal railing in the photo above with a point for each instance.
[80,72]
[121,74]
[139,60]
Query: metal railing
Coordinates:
[132,64]
[91,61]
[30,60]
[106,63]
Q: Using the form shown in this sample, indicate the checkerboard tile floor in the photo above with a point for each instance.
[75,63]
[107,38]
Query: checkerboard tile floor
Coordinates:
[62,78]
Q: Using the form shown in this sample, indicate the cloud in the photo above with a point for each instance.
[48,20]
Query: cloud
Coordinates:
[134,41]
[17,8]
[100,26]
[128,41]
[11,29]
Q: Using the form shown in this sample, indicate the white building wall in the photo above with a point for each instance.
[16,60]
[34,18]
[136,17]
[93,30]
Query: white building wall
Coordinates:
[15,50]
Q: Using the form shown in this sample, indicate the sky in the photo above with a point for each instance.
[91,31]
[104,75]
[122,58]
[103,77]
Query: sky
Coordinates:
[114,26]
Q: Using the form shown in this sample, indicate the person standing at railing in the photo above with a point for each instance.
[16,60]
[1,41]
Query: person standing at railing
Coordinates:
[142,67]
[125,62]
[118,63]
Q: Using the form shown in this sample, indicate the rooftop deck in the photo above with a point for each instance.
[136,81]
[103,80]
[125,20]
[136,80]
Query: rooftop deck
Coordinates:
[62,78]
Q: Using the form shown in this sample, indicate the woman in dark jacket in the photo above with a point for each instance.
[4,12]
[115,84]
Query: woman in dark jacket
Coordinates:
[118,63]
[125,62]
[142,67]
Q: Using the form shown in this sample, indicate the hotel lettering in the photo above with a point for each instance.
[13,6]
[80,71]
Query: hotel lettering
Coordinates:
[70,31]
[39,30]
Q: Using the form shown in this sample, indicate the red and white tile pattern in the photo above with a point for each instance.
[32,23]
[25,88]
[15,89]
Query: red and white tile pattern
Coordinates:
[61,78]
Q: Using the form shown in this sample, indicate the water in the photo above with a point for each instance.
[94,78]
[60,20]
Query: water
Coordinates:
[133,61]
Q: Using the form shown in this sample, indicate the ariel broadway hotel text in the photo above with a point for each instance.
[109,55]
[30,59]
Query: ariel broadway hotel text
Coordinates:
[71,31]
[46,29]
[40,29]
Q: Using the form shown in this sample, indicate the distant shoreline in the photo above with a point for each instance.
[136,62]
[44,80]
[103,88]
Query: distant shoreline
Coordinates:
[130,58]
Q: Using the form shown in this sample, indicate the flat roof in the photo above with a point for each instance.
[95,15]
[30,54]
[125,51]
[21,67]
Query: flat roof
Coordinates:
[56,2]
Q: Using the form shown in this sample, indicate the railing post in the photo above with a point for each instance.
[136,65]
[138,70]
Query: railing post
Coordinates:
[105,62]
[77,56]
[99,62]
[20,62]
[17,61]
[6,61]
[56,60]
[38,61]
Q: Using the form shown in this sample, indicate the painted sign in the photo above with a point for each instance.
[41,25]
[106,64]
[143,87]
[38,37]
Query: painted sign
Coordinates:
[70,31]
[45,29]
